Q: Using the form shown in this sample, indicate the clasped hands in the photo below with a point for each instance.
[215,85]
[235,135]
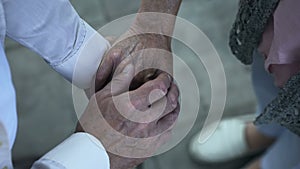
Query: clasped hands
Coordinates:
[134,97]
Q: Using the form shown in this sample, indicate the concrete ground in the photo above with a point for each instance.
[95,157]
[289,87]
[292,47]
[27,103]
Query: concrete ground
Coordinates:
[45,108]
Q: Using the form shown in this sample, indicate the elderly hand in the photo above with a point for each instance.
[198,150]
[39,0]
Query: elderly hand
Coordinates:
[135,45]
[152,29]
[114,115]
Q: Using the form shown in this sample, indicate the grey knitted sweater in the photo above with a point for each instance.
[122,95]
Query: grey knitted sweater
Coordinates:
[245,37]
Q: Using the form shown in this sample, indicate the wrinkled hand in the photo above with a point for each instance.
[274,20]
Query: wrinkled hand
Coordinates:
[134,45]
[105,115]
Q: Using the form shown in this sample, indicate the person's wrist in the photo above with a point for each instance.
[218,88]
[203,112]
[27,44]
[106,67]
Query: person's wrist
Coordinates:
[152,40]
[148,40]
[155,23]
[157,16]
[160,6]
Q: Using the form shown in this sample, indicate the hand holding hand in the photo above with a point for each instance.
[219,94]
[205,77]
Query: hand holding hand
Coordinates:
[135,45]
[105,115]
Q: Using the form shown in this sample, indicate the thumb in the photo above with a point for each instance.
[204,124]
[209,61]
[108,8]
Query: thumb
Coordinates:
[103,73]
[120,82]
[107,68]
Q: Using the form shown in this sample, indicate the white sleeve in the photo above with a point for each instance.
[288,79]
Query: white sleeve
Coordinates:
[54,30]
[83,65]
[79,151]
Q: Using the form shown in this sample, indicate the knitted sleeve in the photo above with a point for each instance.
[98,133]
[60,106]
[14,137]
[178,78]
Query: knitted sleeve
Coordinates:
[249,26]
[285,108]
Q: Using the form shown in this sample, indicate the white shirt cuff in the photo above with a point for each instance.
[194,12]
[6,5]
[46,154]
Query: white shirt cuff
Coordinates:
[79,151]
[81,68]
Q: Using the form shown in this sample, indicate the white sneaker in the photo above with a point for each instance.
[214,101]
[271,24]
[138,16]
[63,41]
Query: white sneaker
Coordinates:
[227,143]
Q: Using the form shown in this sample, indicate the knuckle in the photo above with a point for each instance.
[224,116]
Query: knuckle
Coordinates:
[172,104]
[115,54]
[140,104]
[136,103]
[173,99]
[157,84]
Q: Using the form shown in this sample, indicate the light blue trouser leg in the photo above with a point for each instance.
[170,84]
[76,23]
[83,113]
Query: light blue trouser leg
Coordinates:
[285,153]
[265,92]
